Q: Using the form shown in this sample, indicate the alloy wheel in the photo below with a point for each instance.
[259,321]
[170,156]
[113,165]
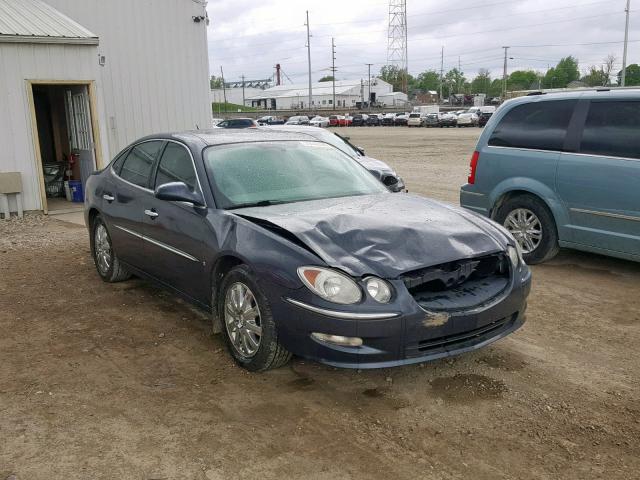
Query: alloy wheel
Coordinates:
[103,252]
[242,319]
[526,228]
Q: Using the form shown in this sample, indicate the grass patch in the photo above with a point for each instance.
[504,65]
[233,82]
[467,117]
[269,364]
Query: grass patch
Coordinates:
[222,107]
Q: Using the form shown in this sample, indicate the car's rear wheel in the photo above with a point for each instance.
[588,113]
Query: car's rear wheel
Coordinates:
[107,263]
[532,225]
[250,331]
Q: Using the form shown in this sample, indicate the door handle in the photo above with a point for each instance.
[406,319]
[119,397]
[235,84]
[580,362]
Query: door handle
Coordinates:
[108,198]
[151,213]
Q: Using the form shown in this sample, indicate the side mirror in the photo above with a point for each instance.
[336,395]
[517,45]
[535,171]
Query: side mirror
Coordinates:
[178,192]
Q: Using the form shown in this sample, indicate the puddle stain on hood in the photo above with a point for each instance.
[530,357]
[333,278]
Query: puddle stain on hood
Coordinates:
[383,234]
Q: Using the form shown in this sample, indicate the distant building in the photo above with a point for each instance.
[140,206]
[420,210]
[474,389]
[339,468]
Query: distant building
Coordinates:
[348,93]
[235,93]
[393,99]
[425,98]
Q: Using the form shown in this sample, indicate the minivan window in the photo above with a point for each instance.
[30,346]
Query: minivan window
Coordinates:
[138,164]
[612,129]
[176,166]
[536,125]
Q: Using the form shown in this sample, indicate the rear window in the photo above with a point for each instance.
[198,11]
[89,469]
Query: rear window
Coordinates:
[414,115]
[612,129]
[536,125]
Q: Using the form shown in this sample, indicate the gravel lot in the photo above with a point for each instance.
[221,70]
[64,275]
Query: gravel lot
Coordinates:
[124,381]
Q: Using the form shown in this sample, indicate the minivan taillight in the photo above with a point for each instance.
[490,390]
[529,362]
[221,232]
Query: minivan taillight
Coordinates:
[473,165]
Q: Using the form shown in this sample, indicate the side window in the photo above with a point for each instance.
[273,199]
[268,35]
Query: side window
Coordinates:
[612,129]
[223,124]
[537,125]
[176,166]
[117,163]
[139,163]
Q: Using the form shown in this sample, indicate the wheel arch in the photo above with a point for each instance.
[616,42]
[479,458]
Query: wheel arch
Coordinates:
[514,187]
[221,267]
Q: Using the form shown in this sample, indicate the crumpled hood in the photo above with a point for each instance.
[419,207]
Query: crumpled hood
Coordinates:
[383,234]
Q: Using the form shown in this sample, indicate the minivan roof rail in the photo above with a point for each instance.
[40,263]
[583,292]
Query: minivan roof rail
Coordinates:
[535,93]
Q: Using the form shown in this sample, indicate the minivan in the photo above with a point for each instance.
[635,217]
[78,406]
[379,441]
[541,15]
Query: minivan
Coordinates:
[562,170]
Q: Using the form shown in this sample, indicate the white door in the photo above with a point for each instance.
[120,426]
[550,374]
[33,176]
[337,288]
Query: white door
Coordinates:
[79,126]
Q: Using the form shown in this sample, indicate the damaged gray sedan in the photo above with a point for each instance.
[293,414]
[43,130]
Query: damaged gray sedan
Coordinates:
[296,249]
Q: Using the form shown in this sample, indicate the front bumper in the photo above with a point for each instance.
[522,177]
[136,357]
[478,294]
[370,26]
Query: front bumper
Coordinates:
[407,333]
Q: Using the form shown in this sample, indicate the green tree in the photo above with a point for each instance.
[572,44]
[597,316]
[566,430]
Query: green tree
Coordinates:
[562,74]
[596,77]
[522,80]
[632,77]
[427,80]
[495,90]
[482,82]
[326,78]
[395,75]
[215,82]
[454,81]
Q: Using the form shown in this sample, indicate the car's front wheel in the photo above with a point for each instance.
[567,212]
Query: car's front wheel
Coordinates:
[532,225]
[107,263]
[249,329]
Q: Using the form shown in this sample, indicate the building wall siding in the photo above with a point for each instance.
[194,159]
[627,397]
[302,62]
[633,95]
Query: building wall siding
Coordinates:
[155,79]
[22,62]
[156,75]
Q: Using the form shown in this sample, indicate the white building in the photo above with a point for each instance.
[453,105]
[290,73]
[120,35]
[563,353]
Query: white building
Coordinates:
[296,96]
[88,77]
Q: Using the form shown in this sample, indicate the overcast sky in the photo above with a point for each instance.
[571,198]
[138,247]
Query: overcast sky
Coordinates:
[250,36]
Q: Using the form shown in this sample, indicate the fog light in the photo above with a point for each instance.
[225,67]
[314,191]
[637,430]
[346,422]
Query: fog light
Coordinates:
[337,339]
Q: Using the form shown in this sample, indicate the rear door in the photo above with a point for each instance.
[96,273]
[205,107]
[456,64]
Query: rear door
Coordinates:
[124,197]
[600,182]
[175,232]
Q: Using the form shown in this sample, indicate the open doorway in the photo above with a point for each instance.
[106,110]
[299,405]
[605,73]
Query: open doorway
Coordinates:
[64,143]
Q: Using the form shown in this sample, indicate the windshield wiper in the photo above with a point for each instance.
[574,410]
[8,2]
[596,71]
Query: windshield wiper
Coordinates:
[261,203]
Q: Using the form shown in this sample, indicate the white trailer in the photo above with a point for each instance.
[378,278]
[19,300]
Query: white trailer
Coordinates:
[426,109]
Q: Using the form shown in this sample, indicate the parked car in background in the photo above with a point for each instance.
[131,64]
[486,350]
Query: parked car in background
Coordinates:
[467,119]
[237,123]
[562,170]
[298,120]
[484,118]
[270,120]
[216,121]
[388,119]
[374,120]
[319,121]
[459,112]
[359,119]
[294,248]
[380,169]
[415,120]
[431,120]
[447,120]
[401,119]
[334,121]
[344,120]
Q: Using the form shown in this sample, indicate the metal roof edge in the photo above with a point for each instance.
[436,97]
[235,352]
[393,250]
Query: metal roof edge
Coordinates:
[47,39]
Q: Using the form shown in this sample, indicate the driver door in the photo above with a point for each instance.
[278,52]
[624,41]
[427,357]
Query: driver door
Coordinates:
[175,232]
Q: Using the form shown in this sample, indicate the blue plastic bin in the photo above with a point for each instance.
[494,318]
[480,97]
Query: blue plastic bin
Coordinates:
[77,195]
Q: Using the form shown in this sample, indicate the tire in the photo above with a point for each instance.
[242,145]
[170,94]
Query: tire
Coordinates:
[547,248]
[106,261]
[269,352]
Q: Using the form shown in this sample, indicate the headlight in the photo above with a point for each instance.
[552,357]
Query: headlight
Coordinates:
[330,285]
[379,290]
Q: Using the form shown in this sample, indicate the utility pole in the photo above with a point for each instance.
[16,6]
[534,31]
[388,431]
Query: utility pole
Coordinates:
[626,41]
[224,89]
[441,73]
[460,77]
[369,98]
[242,90]
[504,75]
[309,56]
[333,70]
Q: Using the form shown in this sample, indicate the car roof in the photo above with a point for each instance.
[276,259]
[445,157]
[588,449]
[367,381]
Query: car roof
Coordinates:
[587,94]
[219,136]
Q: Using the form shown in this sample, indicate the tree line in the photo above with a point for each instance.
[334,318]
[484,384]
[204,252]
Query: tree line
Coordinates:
[562,75]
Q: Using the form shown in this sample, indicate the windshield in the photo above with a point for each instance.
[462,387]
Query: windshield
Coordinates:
[264,173]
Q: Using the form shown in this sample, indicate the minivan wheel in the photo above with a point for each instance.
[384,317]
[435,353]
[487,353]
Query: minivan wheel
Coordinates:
[531,223]
[249,330]
[107,263]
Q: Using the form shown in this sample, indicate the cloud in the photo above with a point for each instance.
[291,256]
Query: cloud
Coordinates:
[248,37]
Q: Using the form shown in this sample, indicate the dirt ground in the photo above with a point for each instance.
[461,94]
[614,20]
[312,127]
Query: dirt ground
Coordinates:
[124,381]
